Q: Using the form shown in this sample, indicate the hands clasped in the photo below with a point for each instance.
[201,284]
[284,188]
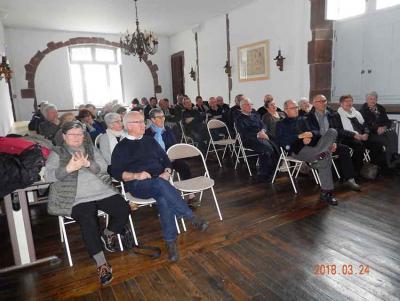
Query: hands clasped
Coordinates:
[77,161]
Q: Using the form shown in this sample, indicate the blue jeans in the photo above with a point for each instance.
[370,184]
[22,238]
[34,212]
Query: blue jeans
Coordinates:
[169,202]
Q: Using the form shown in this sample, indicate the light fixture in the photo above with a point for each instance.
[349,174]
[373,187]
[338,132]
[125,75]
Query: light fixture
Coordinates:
[228,68]
[279,60]
[192,74]
[5,70]
[139,43]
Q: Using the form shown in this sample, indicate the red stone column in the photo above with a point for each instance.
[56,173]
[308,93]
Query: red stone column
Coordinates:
[320,51]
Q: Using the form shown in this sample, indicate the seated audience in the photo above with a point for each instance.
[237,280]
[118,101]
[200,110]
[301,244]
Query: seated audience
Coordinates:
[194,125]
[214,111]
[80,189]
[135,103]
[50,126]
[121,110]
[58,137]
[356,132]
[295,136]
[271,117]
[235,111]
[380,128]
[92,126]
[225,107]
[201,106]
[165,137]
[114,133]
[145,168]
[304,106]
[320,119]
[253,135]
[171,120]
[148,108]
[262,110]
[37,118]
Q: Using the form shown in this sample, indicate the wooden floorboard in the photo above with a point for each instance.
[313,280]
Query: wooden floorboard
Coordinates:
[267,248]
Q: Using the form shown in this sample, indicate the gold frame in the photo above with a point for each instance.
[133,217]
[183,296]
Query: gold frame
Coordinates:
[258,53]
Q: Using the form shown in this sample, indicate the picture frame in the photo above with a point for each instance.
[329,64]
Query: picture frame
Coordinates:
[253,61]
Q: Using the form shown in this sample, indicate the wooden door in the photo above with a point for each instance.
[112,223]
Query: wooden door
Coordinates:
[178,77]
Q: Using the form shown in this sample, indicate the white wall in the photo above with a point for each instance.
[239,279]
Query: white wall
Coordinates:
[285,23]
[6,119]
[52,80]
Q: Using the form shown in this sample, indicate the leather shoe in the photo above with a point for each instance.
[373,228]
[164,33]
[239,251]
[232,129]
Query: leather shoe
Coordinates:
[200,224]
[351,184]
[328,197]
[172,249]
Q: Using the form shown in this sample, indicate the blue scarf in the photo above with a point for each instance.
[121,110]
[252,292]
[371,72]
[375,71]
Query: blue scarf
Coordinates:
[158,135]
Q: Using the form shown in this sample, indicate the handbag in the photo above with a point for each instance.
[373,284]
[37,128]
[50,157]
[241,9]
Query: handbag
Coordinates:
[369,171]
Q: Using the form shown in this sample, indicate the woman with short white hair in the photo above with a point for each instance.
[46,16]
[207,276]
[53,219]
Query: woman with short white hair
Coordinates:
[114,133]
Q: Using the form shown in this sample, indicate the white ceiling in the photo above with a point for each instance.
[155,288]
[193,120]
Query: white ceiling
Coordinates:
[164,17]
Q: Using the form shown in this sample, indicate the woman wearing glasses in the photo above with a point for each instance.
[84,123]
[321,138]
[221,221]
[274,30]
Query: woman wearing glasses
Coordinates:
[80,188]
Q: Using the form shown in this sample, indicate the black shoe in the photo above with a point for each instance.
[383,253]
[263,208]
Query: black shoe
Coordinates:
[193,203]
[105,273]
[172,249]
[351,184]
[200,224]
[328,197]
[109,242]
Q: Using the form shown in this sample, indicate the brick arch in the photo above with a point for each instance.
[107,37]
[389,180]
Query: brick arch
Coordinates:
[34,62]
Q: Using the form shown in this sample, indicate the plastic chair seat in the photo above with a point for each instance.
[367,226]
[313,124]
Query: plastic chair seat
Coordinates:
[194,184]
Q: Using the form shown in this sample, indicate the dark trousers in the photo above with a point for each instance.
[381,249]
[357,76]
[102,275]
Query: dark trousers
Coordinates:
[358,153]
[389,140]
[344,162]
[182,168]
[169,202]
[267,155]
[85,215]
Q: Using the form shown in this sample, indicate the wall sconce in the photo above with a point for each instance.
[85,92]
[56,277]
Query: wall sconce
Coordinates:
[5,70]
[192,74]
[279,60]
[228,69]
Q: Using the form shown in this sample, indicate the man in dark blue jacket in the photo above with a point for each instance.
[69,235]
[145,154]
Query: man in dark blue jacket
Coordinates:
[295,136]
[253,135]
[145,168]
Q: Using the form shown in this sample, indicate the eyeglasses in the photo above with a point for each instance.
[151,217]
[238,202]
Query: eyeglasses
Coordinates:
[137,121]
[75,135]
[117,121]
[292,108]
[321,101]
[159,117]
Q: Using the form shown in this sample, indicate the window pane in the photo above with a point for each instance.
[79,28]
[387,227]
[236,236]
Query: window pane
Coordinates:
[340,9]
[77,87]
[79,54]
[96,84]
[105,55]
[386,3]
[115,83]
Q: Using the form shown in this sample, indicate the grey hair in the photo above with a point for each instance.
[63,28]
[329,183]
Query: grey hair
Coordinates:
[154,111]
[127,117]
[111,117]
[245,99]
[303,100]
[286,103]
[48,107]
[71,125]
[372,93]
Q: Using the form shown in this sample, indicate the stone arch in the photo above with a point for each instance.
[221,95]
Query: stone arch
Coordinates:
[34,62]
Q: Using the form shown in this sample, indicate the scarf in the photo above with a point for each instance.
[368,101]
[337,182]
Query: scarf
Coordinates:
[158,135]
[112,138]
[345,117]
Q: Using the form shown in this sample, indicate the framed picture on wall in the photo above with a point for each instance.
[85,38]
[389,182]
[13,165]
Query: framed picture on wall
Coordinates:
[253,61]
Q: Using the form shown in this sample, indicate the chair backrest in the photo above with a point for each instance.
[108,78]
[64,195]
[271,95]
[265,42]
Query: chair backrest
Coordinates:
[97,141]
[183,150]
[215,124]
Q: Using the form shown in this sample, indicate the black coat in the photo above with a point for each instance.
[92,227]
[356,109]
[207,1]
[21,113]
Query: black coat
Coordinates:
[373,120]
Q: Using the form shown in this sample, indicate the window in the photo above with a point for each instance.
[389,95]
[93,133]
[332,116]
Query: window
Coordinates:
[340,9]
[386,3]
[95,74]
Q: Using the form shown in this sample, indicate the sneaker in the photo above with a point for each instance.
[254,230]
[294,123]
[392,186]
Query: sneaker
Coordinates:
[172,250]
[200,224]
[109,242]
[351,184]
[105,273]
[328,197]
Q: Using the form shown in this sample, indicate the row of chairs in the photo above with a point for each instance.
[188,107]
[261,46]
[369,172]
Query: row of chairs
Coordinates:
[195,185]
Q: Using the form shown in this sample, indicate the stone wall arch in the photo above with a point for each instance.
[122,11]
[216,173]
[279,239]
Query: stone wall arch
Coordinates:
[34,62]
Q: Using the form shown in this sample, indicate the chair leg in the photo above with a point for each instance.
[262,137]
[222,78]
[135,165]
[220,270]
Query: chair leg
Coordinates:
[183,224]
[121,247]
[64,233]
[208,150]
[277,168]
[290,176]
[216,153]
[247,163]
[336,170]
[216,203]
[133,230]
[177,225]
[60,222]
[201,195]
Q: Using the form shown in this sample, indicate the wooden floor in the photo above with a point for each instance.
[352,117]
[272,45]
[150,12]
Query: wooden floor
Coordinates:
[272,245]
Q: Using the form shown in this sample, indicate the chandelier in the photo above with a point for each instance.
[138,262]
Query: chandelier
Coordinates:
[5,70]
[139,43]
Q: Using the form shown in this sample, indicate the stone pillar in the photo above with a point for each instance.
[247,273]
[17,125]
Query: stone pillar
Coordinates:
[320,51]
